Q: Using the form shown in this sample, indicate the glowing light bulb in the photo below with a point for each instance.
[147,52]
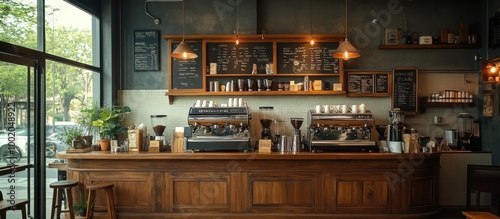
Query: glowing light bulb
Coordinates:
[312,42]
[237,41]
[493,69]
[346,55]
[184,55]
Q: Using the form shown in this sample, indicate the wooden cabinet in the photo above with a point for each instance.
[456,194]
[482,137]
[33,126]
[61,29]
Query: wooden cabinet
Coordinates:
[281,58]
[251,185]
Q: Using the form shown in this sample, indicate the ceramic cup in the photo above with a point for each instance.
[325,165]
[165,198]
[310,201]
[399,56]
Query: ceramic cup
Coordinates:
[344,109]
[326,109]
[362,108]
[335,108]
[198,103]
[353,109]
[317,109]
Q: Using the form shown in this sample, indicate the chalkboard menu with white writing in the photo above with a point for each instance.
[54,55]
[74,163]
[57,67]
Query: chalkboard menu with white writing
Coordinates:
[368,84]
[405,90]
[305,58]
[146,50]
[239,59]
[187,74]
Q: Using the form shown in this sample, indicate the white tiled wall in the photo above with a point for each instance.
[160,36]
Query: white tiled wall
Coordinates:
[151,102]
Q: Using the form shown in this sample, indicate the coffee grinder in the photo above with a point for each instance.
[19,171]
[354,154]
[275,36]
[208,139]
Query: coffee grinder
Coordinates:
[382,135]
[296,136]
[266,119]
[158,123]
[395,131]
[465,129]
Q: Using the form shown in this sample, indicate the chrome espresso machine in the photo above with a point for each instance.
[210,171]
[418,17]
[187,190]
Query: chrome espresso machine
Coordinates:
[340,132]
[218,129]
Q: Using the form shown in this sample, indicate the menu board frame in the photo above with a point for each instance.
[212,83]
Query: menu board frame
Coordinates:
[377,89]
[402,78]
[199,62]
[147,50]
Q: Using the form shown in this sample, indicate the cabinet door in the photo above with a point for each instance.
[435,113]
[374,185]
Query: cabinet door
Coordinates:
[290,192]
[134,191]
[358,192]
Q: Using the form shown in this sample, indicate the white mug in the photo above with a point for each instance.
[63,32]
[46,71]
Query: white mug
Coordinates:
[362,108]
[230,102]
[326,108]
[211,103]
[353,108]
[317,109]
[198,103]
[344,109]
[204,103]
[335,108]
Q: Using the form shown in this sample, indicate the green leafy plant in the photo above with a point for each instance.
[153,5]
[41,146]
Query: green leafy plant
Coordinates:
[109,121]
[69,134]
[86,117]
[80,207]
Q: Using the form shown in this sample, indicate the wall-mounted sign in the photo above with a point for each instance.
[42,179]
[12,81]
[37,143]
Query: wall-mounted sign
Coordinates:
[405,90]
[373,84]
[146,50]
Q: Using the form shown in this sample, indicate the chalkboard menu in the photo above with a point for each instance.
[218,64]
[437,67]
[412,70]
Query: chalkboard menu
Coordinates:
[304,58]
[146,50]
[187,74]
[368,84]
[405,90]
[239,59]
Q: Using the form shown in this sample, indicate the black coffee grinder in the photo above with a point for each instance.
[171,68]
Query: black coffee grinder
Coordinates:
[266,119]
[465,129]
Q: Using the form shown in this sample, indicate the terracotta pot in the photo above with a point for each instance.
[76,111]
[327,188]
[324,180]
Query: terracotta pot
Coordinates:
[104,143]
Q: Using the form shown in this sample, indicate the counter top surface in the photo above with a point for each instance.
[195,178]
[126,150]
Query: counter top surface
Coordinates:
[241,155]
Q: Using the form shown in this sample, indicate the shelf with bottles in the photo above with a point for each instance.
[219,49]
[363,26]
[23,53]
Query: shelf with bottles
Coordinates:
[452,102]
[272,75]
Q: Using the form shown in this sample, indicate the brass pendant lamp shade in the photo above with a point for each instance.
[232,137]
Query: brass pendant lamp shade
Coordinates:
[346,50]
[183,50]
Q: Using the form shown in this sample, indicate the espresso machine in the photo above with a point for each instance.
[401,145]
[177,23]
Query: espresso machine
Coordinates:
[340,132]
[218,129]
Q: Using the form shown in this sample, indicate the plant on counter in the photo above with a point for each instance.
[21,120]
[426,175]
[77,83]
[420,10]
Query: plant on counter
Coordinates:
[86,117]
[109,121]
[69,134]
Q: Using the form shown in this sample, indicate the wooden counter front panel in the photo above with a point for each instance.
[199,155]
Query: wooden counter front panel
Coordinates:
[200,192]
[134,191]
[284,192]
[355,192]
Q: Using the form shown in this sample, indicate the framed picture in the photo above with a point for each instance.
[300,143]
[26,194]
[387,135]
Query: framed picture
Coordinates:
[488,104]
[392,36]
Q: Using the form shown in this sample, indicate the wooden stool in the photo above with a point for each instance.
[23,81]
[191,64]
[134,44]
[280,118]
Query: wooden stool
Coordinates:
[59,187]
[479,215]
[15,204]
[110,199]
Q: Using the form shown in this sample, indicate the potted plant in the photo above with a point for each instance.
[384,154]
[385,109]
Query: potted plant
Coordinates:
[85,120]
[109,123]
[72,137]
[80,207]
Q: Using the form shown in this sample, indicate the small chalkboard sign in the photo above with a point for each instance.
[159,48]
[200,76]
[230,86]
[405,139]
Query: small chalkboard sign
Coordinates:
[146,50]
[187,74]
[239,59]
[368,84]
[305,58]
[405,90]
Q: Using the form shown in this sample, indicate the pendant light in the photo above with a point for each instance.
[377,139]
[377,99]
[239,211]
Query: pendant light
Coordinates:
[346,50]
[237,32]
[183,50]
[311,23]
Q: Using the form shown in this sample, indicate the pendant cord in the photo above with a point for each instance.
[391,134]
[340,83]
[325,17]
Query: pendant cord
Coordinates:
[183,20]
[346,20]
[310,16]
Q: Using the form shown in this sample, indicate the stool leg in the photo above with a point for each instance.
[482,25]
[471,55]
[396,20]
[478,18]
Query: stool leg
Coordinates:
[69,201]
[59,203]
[111,204]
[90,204]
[3,214]
[23,211]
[54,199]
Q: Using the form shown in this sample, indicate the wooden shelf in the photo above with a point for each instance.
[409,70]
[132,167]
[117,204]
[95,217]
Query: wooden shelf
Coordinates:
[173,94]
[272,75]
[433,46]
[425,104]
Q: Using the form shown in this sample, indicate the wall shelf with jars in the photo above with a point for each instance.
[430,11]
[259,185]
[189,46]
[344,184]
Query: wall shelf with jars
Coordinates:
[259,65]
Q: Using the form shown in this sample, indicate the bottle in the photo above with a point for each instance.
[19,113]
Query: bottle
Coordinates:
[306,83]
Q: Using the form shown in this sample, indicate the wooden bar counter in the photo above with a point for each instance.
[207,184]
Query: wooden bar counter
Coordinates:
[252,185]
